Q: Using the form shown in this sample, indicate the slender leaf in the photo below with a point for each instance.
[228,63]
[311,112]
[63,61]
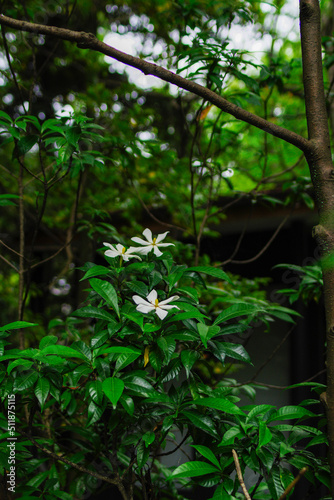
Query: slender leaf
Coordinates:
[207,453]
[194,469]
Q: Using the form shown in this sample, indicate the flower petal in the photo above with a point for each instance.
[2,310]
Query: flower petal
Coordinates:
[156,251]
[141,241]
[139,300]
[111,253]
[144,250]
[148,235]
[167,307]
[161,236]
[145,309]
[120,248]
[163,302]
[161,313]
[109,245]
[152,296]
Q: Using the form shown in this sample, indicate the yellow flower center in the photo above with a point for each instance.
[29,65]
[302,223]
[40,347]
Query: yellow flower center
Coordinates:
[156,303]
[154,240]
[123,250]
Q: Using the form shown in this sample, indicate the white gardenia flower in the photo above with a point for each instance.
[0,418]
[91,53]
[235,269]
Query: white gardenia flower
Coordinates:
[153,304]
[151,243]
[120,251]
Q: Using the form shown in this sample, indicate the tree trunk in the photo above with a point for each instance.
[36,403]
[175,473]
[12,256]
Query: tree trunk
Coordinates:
[320,162]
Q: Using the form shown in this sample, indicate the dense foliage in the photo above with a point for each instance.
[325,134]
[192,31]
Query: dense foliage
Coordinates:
[90,152]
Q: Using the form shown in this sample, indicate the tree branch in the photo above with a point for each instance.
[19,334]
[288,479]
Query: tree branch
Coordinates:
[89,41]
[239,474]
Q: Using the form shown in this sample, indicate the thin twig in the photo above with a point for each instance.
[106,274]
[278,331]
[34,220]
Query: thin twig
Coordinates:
[9,263]
[174,450]
[10,249]
[239,473]
[270,357]
[266,246]
[172,226]
[61,458]
[293,484]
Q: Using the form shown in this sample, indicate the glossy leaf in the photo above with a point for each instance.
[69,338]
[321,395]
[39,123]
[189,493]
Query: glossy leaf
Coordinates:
[25,381]
[106,291]
[235,311]
[42,390]
[113,389]
[194,469]
[63,351]
[94,312]
[16,325]
[207,453]
[219,404]
[265,435]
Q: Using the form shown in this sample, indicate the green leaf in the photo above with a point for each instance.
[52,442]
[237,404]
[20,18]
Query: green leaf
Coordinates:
[99,339]
[106,291]
[188,358]
[207,332]
[42,390]
[255,410]
[203,422]
[120,350]
[125,360]
[235,351]
[194,469]
[48,340]
[127,404]
[4,116]
[113,388]
[207,453]
[265,435]
[95,271]
[274,483]
[94,312]
[138,287]
[38,478]
[148,438]
[143,454]
[95,391]
[140,387]
[290,412]
[23,382]
[211,271]
[219,404]
[19,362]
[94,413]
[17,325]
[24,145]
[63,351]
[5,200]
[235,311]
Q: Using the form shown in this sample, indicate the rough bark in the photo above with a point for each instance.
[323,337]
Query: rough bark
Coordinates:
[321,168]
